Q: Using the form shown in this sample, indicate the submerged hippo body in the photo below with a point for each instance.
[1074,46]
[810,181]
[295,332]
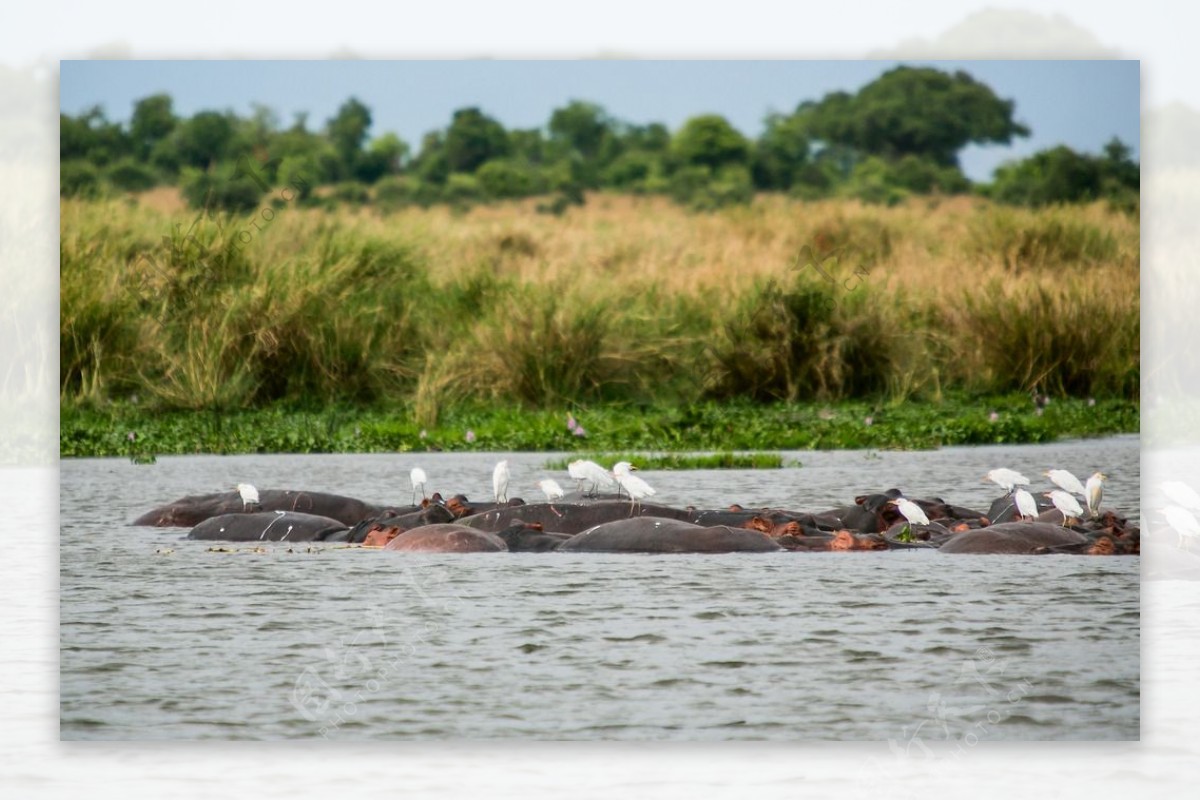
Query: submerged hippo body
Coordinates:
[194,509]
[446,538]
[568,518]
[1013,538]
[665,535]
[270,526]
[434,513]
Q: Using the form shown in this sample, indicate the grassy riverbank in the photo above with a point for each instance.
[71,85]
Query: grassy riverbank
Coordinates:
[127,430]
[624,301]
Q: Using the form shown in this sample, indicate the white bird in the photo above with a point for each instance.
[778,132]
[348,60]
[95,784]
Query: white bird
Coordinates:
[1184,523]
[636,487]
[500,482]
[584,470]
[1066,480]
[551,488]
[417,477]
[1181,494]
[249,495]
[1026,505]
[1095,491]
[1065,503]
[914,514]
[1006,478]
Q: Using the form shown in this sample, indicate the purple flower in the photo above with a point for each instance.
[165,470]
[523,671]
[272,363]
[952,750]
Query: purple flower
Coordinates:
[571,424]
[994,416]
[578,431]
[132,437]
[470,435]
[868,420]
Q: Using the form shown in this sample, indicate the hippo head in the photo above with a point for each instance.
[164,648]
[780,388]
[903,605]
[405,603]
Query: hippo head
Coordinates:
[458,507]
[1103,546]
[791,528]
[380,536]
[758,523]
[437,513]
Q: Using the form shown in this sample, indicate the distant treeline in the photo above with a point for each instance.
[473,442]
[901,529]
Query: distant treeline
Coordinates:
[897,136]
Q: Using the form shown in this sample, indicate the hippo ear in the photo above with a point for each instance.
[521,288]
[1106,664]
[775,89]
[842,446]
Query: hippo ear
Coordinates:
[735,507]
[859,500]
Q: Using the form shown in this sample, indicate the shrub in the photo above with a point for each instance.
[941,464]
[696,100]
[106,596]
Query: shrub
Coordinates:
[352,192]
[220,188]
[78,179]
[130,175]
[506,179]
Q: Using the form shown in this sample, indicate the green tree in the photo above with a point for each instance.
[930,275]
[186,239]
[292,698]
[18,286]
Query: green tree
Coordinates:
[709,141]
[152,122]
[347,131]
[472,139]
[914,110]
[204,139]
[91,136]
[581,126]
[384,156]
[779,153]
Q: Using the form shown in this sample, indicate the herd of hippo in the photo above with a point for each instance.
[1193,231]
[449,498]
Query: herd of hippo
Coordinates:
[602,523]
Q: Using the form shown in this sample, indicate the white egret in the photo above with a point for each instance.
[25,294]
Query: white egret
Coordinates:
[914,514]
[417,477]
[1095,491]
[1007,479]
[249,495]
[1066,480]
[1026,505]
[551,488]
[1184,523]
[1065,502]
[1181,494]
[584,470]
[500,481]
[635,486]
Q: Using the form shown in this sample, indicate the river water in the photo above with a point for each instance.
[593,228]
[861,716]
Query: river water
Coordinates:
[162,638]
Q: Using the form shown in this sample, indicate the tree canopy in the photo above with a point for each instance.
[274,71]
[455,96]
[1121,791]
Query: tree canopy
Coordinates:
[896,136]
[917,111]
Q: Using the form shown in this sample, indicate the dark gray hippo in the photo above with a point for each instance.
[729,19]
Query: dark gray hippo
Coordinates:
[270,526]
[193,509]
[568,518]
[446,538]
[665,535]
[1013,538]
[531,538]
[1004,509]
[433,513]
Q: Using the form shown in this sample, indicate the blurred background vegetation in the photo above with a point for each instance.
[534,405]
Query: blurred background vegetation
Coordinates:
[898,136]
[595,265]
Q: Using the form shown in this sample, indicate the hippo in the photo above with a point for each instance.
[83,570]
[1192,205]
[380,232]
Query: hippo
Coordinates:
[568,518]
[1012,538]
[193,509]
[525,537]
[649,534]
[270,526]
[1004,509]
[432,513]
[446,538]
[932,535]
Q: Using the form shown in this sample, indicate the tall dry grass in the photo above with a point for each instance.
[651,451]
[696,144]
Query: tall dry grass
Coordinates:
[626,298]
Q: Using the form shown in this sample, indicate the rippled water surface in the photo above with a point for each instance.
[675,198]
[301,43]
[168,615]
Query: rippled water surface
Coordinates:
[166,638]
